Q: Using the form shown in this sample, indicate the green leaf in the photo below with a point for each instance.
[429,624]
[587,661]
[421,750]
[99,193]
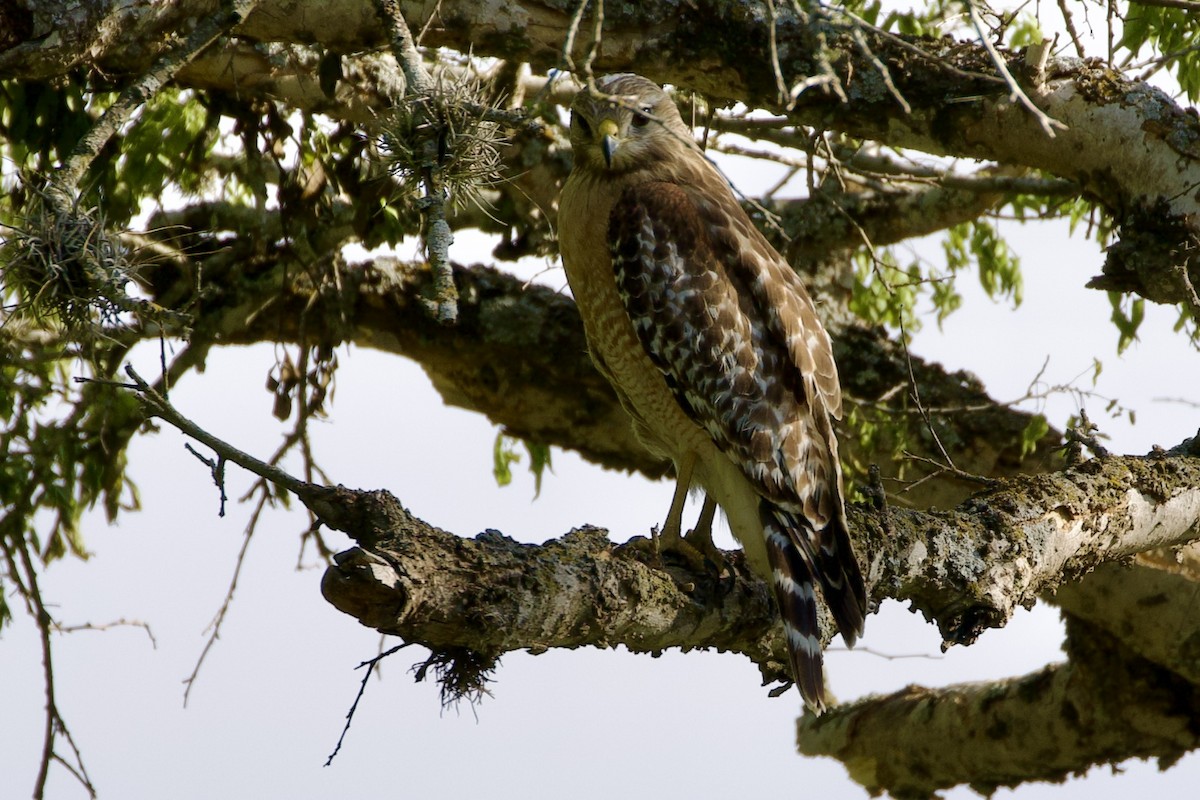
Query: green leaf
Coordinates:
[1036,428]
[1171,34]
[885,294]
[539,461]
[503,456]
[1024,32]
[1127,316]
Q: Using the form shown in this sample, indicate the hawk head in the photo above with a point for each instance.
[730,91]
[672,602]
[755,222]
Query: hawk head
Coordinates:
[630,125]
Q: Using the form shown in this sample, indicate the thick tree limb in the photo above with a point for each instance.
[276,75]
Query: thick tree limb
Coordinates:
[492,595]
[832,221]
[1148,605]
[518,355]
[1005,547]
[966,570]
[1127,144]
[1105,705]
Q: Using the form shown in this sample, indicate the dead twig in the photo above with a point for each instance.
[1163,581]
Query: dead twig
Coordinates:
[1048,124]
[370,664]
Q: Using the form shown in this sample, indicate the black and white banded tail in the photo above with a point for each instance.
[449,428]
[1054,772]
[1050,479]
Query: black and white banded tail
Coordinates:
[801,557]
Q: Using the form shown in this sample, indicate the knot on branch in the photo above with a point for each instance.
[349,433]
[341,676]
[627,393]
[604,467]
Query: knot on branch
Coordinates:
[1156,257]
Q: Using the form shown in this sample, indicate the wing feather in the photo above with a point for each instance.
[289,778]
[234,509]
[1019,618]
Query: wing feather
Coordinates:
[738,341]
[728,336]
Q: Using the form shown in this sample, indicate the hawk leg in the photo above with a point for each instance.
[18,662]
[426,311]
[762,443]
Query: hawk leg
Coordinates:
[700,537]
[696,548]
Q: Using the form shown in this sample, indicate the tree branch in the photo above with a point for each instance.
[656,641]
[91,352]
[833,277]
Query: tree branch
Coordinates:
[1127,144]
[419,90]
[1105,705]
[518,355]
[210,27]
[1148,605]
[966,570]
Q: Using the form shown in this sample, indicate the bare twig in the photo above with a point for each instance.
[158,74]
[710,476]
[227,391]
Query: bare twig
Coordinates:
[370,664]
[946,469]
[1016,93]
[1190,294]
[1153,65]
[884,73]
[1069,22]
[117,623]
[773,49]
[55,725]
[934,62]
[1180,400]
[597,36]
[1084,433]
[217,466]
[214,628]
[825,73]
[159,407]
[886,656]
[568,49]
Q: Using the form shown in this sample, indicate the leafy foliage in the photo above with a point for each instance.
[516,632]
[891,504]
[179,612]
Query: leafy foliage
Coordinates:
[884,292]
[1173,35]
[978,244]
[1127,316]
[504,455]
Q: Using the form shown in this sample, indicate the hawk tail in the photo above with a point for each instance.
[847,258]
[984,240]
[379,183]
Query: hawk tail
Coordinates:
[799,559]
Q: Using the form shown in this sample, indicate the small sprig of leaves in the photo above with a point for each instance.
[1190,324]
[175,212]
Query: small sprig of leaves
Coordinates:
[504,455]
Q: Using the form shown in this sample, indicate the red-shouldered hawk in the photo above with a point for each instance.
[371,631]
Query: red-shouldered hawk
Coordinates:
[714,348]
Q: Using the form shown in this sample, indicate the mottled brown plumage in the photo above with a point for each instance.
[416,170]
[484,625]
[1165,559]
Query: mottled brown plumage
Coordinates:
[715,349]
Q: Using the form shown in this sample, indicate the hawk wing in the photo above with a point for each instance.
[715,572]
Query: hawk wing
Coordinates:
[737,339]
[738,342]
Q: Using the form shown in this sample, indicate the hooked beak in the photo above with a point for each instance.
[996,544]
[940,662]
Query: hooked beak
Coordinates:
[608,140]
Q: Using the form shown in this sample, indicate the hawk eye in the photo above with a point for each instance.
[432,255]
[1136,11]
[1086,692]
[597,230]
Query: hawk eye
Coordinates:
[640,118]
[584,128]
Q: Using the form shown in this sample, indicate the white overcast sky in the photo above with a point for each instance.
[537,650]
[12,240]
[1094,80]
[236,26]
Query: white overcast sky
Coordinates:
[270,701]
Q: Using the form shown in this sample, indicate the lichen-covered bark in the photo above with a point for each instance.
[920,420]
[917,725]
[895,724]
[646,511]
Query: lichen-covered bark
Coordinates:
[519,356]
[1106,704]
[1002,549]
[1129,689]
[966,570]
[492,595]
[1148,604]
[1128,145]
